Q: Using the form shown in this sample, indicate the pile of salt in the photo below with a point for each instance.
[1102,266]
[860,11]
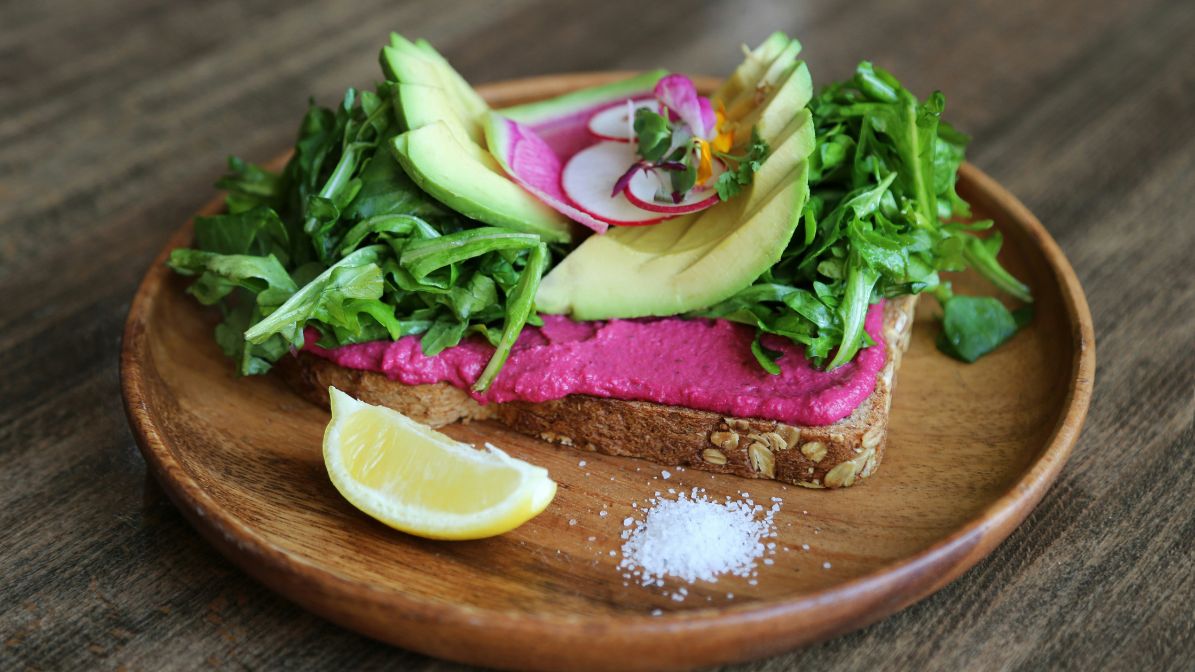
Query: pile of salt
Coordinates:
[695,538]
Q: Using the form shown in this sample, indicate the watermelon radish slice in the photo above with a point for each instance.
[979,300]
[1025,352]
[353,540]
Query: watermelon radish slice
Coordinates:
[562,122]
[646,187]
[590,175]
[617,121]
[532,163]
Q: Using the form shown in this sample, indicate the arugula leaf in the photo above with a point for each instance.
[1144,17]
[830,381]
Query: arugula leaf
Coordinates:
[344,241]
[653,134]
[252,358]
[877,224]
[421,257]
[973,326]
[731,182]
[981,255]
[521,301]
[257,231]
[250,187]
[860,279]
[357,276]
[219,274]
[765,355]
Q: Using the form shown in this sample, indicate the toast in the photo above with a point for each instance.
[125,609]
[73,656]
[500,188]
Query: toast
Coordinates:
[830,456]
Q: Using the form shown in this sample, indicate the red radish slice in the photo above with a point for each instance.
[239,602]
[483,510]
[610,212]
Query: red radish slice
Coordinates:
[589,177]
[644,187]
[615,122]
[530,161]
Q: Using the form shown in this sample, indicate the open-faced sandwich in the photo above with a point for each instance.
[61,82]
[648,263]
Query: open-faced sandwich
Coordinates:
[724,282]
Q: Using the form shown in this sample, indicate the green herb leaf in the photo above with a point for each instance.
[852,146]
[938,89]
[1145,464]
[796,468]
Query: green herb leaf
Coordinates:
[683,180]
[882,180]
[521,302]
[973,326]
[653,134]
[421,257]
[357,276]
[220,274]
[345,242]
[765,355]
[731,182]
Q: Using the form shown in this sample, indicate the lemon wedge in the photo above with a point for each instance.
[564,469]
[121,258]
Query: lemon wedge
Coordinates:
[415,479]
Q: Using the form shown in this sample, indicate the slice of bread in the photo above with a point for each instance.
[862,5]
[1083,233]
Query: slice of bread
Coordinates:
[829,456]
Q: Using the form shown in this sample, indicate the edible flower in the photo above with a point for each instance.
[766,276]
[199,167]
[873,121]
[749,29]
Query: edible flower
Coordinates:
[705,162]
[677,93]
[683,137]
[725,131]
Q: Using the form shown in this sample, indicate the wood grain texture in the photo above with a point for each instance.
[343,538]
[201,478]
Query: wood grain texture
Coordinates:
[117,116]
[549,595]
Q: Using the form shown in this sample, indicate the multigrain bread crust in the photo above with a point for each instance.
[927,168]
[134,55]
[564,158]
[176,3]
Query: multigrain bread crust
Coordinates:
[829,456]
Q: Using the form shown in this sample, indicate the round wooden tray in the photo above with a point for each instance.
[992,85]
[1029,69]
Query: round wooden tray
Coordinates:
[972,450]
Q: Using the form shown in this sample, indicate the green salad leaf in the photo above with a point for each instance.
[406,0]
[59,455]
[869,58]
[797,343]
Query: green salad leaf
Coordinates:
[883,219]
[342,241]
[653,134]
[744,167]
[973,326]
[343,245]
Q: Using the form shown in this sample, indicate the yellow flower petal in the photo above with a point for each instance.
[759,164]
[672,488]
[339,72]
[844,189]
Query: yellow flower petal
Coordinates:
[705,169]
[723,141]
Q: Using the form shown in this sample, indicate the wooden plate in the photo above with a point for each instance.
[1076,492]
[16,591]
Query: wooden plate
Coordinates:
[973,449]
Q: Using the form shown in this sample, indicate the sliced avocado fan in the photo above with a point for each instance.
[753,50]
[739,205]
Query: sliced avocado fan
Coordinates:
[695,261]
[443,146]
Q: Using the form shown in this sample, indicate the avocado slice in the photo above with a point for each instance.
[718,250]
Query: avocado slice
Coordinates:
[470,100]
[747,75]
[776,111]
[437,161]
[770,77]
[420,105]
[419,63]
[694,261]
[443,148]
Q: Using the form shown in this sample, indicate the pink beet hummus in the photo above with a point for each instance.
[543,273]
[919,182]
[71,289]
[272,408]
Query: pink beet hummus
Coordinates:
[701,364]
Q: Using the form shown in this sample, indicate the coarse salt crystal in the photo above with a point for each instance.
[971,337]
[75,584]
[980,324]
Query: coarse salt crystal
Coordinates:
[826,565]
[695,538]
[603,513]
[581,463]
[572,521]
[666,474]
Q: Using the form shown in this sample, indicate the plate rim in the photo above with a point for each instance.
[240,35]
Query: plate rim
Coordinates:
[778,625]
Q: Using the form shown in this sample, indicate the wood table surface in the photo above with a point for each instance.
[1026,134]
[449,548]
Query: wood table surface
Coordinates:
[115,118]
